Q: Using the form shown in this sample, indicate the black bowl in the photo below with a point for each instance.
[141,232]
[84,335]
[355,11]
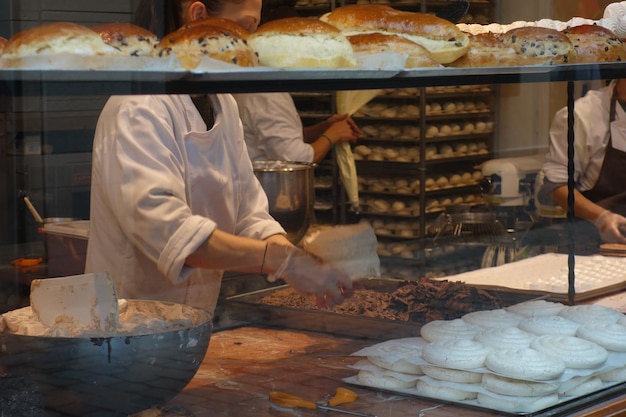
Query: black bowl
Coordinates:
[113,375]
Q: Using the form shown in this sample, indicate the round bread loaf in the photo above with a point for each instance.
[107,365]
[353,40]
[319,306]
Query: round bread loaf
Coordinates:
[442,39]
[493,318]
[595,43]
[575,352]
[611,336]
[487,50]
[57,38]
[3,43]
[538,45]
[385,380]
[591,313]
[535,308]
[191,45]
[448,329]
[517,387]
[129,39]
[372,43]
[504,338]
[300,42]
[443,393]
[452,375]
[541,325]
[517,404]
[461,354]
[525,363]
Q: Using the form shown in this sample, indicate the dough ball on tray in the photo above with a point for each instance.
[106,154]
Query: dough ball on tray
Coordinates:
[541,46]
[301,42]
[129,39]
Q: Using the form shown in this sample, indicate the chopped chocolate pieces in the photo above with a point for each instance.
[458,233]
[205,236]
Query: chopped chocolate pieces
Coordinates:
[415,301]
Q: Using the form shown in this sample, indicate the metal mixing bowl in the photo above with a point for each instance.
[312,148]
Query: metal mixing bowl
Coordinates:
[290,192]
[107,376]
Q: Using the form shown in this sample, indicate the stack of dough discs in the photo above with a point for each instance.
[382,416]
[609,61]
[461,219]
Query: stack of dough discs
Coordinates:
[397,365]
[448,329]
[517,387]
[525,364]
[611,336]
[461,354]
[504,338]
[587,386]
[452,375]
[542,325]
[517,404]
[536,308]
[442,392]
[613,375]
[591,313]
[493,318]
[386,379]
[575,352]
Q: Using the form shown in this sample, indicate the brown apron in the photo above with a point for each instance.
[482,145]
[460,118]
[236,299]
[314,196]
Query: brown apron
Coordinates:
[610,189]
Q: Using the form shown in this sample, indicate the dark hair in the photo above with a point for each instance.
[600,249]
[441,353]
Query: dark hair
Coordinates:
[165,16]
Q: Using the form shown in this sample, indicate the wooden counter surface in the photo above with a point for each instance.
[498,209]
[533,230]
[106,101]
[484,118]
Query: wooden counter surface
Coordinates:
[242,365]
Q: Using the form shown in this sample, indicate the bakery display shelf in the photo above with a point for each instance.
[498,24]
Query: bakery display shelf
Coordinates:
[462,137]
[89,82]
[564,408]
[361,118]
[442,191]
[476,159]
[248,308]
[455,115]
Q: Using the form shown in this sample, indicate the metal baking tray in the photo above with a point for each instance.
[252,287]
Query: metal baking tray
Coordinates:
[247,308]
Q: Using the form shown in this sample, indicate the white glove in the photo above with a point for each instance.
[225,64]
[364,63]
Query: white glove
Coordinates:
[612,227]
[309,276]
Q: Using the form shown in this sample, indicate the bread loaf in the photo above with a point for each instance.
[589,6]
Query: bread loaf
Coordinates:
[216,42]
[595,43]
[300,42]
[3,42]
[371,43]
[488,50]
[57,38]
[445,42]
[538,45]
[129,39]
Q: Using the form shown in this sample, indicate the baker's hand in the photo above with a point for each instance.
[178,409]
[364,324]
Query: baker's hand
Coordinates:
[612,227]
[309,276]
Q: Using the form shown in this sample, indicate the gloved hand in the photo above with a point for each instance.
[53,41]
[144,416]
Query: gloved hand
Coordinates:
[309,276]
[612,227]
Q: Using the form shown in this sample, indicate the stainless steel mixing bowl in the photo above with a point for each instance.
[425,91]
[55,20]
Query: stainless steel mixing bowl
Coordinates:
[289,189]
[112,375]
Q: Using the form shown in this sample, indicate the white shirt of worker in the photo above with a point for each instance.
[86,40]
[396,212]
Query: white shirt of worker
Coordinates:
[161,184]
[273,128]
[591,136]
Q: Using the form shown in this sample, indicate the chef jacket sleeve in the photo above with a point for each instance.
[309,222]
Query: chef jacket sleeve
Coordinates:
[273,128]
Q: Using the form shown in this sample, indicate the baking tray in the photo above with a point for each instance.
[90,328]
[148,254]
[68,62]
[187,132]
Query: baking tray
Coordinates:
[247,308]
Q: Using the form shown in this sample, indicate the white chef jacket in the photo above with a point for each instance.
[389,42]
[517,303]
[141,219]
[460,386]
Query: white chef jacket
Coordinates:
[273,128]
[161,184]
[591,136]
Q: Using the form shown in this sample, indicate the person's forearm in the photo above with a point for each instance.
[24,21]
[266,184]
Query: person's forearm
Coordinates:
[240,254]
[312,133]
[583,207]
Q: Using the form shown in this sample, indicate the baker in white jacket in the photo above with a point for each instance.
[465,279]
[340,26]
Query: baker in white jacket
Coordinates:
[173,204]
[274,131]
[599,161]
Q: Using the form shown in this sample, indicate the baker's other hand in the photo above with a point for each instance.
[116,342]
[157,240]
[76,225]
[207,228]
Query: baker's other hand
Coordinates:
[611,227]
[308,275]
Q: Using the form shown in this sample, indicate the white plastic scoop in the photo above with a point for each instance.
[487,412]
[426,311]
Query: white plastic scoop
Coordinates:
[87,302]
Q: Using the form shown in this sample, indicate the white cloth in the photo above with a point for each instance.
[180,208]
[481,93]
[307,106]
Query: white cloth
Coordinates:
[273,128]
[161,184]
[591,136]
